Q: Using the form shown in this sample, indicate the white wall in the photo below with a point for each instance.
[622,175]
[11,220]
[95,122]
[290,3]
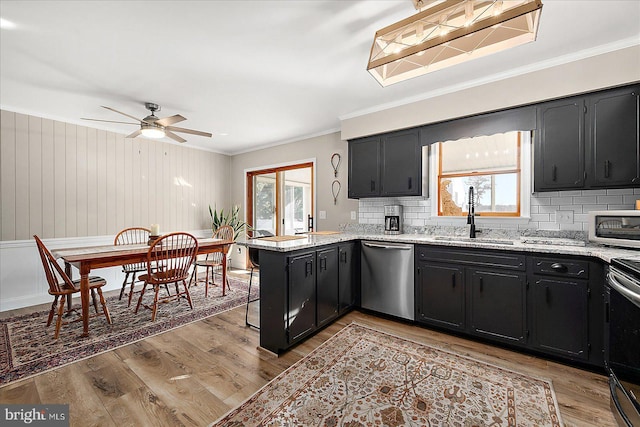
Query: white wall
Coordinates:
[601,71]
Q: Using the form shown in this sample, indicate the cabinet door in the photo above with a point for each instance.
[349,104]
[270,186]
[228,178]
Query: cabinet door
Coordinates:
[327,285]
[560,317]
[497,305]
[364,167]
[560,145]
[347,268]
[440,295]
[401,168]
[615,143]
[301,310]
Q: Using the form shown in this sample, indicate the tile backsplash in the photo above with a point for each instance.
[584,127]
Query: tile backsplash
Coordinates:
[417,210]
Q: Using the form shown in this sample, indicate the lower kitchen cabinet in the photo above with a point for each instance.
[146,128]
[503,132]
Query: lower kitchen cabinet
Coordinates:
[302,291]
[301,301]
[559,315]
[550,305]
[348,268]
[566,307]
[327,292]
[497,305]
[440,294]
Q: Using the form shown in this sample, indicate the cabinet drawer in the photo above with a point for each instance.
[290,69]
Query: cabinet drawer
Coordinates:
[485,258]
[561,267]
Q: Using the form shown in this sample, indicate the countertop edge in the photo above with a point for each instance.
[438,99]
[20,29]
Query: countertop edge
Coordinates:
[604,253]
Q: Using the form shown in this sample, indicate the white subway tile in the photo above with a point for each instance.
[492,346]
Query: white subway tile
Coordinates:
[547,209]
[575,208]
[571,193]
[630,199]
[574,226]
[610,200]
[561,201]
[585,200]
[548,226]
[620,207]
[541,217]
[619,191]
[594,192]
[589,208]
[581,217]
[540,201]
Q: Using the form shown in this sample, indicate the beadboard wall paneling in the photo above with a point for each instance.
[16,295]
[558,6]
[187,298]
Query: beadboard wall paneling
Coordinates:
[61,180]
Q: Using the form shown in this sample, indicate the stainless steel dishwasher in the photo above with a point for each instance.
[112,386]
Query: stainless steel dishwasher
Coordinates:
[387,278]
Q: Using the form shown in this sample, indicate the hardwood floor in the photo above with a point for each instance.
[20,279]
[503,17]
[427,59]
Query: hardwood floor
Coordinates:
[196,373]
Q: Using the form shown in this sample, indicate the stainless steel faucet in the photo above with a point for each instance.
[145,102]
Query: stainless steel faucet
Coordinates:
[471,215]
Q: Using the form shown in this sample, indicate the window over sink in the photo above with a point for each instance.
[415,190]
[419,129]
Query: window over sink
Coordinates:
[498,168]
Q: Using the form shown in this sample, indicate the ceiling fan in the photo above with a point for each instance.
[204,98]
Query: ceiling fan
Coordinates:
[153,127]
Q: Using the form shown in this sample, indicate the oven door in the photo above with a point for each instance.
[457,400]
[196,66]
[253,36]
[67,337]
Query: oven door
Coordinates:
[623,355]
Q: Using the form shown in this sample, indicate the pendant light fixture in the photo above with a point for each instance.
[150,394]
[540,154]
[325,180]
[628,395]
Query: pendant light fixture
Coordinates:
[449,32]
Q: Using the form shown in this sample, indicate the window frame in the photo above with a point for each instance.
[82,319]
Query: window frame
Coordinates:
[518,171]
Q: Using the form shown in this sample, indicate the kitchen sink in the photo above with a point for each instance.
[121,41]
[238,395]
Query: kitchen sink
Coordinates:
[477,239]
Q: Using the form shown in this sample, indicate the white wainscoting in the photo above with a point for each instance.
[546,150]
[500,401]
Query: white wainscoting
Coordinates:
[22,279]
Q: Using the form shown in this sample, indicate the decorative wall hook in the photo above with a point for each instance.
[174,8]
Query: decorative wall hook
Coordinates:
[335,190]
[335,157]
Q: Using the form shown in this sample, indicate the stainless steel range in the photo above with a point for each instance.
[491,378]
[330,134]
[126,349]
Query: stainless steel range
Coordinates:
[623,353]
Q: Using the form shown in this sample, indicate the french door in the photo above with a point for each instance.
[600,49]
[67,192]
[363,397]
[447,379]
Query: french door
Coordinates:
[280,199]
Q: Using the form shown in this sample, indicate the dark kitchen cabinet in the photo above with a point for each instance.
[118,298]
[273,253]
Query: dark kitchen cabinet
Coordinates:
[301,304]
[497,307]
[348,268]
[566,309]
[304,290]
[481,292]
[386,165]
[559,315]
[401,167]
[614,126]
[364,167]
[440,294]
[560,145]
[327,291]
[588,142]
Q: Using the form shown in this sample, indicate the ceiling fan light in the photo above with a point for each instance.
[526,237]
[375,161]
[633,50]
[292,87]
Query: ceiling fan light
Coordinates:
[152,132]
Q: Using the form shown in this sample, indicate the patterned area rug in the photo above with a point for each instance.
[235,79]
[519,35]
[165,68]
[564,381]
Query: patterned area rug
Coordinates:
[27,346]
[363,377]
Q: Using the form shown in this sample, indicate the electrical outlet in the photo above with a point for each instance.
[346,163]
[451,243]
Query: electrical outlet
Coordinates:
[323,214]
[353,214]
[564,217]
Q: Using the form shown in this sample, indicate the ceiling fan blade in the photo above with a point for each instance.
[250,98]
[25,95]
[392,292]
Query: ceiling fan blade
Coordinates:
[191,131]
[167,121]
[110,121]
[174,136]
[124,114]
[134,134]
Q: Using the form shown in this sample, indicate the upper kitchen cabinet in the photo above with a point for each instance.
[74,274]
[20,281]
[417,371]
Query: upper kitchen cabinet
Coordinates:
[590,141]
[559,145]
[401,167]
[613,129]
[386,165]
[364,167]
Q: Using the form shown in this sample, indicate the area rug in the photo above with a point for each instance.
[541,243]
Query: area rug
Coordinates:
[27,347]
[364,377]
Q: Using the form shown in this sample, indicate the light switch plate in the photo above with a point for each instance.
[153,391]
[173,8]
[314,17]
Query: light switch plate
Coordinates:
[323,214]
[353,214]
[564,217]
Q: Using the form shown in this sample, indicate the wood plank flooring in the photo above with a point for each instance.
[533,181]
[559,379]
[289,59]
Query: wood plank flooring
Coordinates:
[194,374]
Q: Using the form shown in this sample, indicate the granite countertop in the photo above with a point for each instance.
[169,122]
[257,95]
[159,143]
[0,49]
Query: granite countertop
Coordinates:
[520,244]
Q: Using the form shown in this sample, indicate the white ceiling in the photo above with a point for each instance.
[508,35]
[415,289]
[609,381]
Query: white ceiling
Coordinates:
[261,72]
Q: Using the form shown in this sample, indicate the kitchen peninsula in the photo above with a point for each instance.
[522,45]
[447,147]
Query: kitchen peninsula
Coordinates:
[520,284]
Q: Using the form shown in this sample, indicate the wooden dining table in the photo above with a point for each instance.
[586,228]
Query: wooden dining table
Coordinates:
[89,258]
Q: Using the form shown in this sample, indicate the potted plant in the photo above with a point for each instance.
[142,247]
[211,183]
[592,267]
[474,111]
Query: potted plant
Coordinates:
[232,218]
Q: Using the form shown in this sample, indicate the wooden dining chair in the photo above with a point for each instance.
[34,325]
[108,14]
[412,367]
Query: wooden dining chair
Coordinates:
[213,260]
[132,236]
[176,253]
[62,287]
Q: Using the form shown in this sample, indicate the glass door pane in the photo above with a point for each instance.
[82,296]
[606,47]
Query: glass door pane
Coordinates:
[296,200]
[264,202]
